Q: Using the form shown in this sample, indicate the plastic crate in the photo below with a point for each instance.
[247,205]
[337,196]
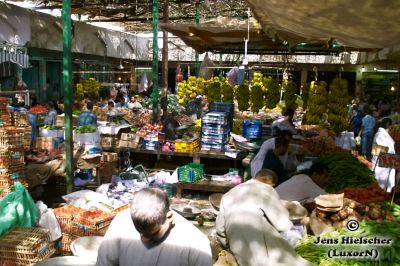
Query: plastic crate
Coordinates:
[207,146]
[219,118]
[214,138]
[228,108]
[151,145]
[221,107]
[252,129]
[187,145]
[191,172]
[210,128]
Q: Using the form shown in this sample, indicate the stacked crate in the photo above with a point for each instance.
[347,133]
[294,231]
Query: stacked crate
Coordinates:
[214,131]
[20,120]
[76,222]
[25,246]
[5,117]
[12,166]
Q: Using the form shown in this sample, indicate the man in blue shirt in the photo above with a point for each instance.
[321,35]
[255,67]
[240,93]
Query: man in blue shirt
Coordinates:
[88,117]
[367,134]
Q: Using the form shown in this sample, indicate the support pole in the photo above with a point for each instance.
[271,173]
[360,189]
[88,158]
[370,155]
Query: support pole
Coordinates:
[154,94]
[165,47]
[196,56]
[67,86]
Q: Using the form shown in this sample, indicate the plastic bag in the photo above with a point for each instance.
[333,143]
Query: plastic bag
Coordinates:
[205,71]
[49,221]
[143,85]
[232,76]
[240,76]
[17,208]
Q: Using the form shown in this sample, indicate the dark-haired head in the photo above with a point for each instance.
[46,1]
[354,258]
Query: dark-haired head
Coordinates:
[386,123]
[89,105]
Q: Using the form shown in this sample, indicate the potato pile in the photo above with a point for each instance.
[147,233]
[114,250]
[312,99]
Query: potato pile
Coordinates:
[352,210]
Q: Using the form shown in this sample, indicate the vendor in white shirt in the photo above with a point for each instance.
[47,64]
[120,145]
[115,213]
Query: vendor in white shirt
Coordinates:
[384,176]
[306,186]
[286,123]
[288,160]
[134,104]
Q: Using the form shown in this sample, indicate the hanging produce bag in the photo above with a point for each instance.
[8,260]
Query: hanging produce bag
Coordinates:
[205,71]
[17,208]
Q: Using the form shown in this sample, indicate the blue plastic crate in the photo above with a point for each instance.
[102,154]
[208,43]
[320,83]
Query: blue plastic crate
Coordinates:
[252,129]
[221,107]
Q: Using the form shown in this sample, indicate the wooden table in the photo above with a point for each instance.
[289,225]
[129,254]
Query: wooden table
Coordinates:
[208,186]
[210,159]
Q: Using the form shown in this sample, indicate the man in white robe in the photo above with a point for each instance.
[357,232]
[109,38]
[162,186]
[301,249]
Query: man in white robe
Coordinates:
[306,186]
[384,176]
[249,223]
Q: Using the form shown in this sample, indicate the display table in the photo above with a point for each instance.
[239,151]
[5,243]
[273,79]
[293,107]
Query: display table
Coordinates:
[197,156]
[208,186]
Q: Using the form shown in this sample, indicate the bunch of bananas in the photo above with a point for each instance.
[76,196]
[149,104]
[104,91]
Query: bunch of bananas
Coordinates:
[91,87]
[188,90]
[79,92]
[257,92]
[317,102]
[227,91]
[272,94]
[213,90]
[337,105]
[290,89]
[305,92]
[88,88]
[242,95]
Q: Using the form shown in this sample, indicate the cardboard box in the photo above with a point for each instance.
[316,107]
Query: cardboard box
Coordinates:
[106,171]
[109,157]
[108,142]
[128,144]
[130,137]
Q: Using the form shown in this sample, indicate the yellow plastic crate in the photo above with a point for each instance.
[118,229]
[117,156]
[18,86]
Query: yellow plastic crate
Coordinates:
[190,145]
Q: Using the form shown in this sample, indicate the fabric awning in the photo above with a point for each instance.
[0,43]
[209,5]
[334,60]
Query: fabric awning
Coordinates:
[360,24]
[20,59]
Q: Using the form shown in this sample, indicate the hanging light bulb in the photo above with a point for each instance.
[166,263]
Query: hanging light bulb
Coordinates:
[120,64]
[392,88]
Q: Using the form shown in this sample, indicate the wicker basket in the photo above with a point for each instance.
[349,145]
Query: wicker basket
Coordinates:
[63,246]
[25,246]
[12,174]
[11,157]
[92,223]
[11,137]
[20,119]
[65,216]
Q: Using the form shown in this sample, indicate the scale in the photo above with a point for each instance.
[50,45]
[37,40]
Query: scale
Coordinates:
[251,149]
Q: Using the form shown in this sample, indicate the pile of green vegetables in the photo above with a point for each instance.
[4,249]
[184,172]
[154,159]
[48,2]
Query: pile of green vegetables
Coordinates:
[388,254]
[85,129]
[345,171]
